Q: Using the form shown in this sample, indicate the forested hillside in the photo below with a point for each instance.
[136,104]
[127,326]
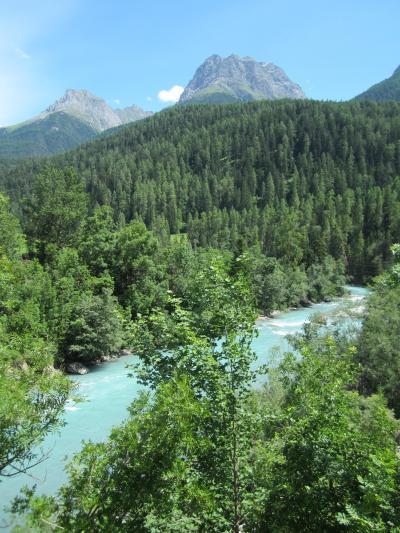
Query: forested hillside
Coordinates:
[168,238]
[385,90]
[301,179]
[55,133]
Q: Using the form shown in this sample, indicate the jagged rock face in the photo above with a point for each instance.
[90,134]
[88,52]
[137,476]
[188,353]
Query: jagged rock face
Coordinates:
[87,107]
[94,110]
[239,78]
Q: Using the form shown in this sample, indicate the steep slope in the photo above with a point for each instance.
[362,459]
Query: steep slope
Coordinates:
[54,133]
[388,89]
[72,120]
[298,178]
[232,79]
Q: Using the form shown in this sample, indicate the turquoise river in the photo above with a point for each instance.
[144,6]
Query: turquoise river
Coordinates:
[108,391]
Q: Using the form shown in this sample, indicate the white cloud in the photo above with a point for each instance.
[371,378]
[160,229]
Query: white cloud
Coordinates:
[172,95]
[149,98]
[117,101]
[21,54]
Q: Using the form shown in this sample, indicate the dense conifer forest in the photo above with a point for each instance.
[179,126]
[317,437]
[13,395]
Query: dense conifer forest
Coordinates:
[299,179]
[168,238]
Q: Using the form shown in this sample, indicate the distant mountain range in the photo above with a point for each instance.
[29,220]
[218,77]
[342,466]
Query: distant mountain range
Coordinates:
[388,89]
[94,111]
[77,117]
[80,116]
[235,79]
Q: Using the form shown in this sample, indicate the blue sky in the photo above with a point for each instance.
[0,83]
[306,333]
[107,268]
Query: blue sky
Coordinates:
[128,51]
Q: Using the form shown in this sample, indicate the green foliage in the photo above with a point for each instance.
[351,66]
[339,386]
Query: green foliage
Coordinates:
[94,329]
[184,457]
[378,343]
[270,284]
[55,211]
[385,90]
[278,286]
[331,464]
[153,479]
[180,261]
[12,242]
[378,349]
[391,278]
[135,271]
[98,241]
[85,319]
[204,453]
[215,304]
[32,393]
[33,397]
[220,301]
[326,280]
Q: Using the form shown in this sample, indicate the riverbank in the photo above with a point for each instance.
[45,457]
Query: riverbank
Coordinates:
[80,369]
[349,289]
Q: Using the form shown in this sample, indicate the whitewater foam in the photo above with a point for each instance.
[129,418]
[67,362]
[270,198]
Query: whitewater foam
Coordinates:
[289,323]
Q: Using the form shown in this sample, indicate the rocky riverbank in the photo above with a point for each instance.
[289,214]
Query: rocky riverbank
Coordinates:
[77,368]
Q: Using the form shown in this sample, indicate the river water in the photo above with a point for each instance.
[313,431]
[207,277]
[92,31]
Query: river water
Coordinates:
[108,391]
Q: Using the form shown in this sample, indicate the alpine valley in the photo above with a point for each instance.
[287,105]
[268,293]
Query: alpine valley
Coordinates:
[161,239]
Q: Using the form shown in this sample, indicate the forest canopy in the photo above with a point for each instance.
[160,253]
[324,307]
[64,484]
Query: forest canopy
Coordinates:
[299,179]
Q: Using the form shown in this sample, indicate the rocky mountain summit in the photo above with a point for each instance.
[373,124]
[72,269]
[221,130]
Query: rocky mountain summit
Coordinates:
[235,78]
[94,110]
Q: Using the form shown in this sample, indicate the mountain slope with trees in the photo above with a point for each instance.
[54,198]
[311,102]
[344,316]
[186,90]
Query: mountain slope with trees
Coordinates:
[385,90]
[57,132]
[300,180]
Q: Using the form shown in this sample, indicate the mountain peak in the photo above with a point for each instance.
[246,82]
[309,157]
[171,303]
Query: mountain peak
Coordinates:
[236,78]
[87,107]
[72,96]
[94,111]
[80,94]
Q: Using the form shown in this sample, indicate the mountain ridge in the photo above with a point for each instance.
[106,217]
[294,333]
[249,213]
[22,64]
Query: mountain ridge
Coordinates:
[94,110]
[75,118]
